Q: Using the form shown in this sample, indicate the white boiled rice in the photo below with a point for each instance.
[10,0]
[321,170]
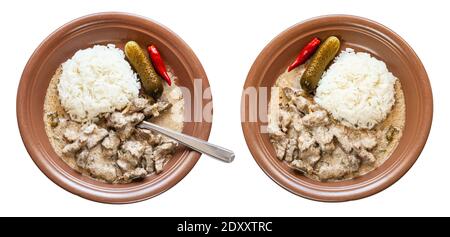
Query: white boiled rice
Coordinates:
[95,81]
[357,89]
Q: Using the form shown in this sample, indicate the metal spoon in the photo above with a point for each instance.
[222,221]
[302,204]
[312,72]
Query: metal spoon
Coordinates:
[194,143]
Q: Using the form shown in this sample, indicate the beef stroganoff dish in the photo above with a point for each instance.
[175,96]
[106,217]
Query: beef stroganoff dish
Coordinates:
[335,115]
[94,103]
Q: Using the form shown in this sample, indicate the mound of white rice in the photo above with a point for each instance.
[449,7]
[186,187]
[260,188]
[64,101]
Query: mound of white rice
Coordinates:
[95,81]
[357,89]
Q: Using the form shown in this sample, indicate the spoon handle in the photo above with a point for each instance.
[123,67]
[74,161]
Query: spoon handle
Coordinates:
[194,143]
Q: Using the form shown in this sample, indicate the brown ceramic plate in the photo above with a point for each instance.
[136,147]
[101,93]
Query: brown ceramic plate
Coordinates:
[362,35]
[84,32]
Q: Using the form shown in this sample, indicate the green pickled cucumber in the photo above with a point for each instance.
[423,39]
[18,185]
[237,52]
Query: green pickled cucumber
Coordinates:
[150,80]
[318,63]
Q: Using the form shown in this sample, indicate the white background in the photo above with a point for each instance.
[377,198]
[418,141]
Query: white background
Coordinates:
[227,36]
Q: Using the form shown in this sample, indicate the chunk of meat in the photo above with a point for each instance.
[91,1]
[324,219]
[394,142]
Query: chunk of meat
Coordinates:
[155,109]
[322,135]
[119,120]
[149,158]
[353,163]
[130,155]
[111,143]
[297,123]
[324,138]
[159,164]
[88,128]
[137,105]
[71,134]
[308,159]
[365,156]
[315,107]
[301,166]
[302,104]
[291,150]
[285,120]
[124,124]
[327,148]
[293,93]
[165,148]
[100,166]
[317,118]
[280,142]
[148,136]
[135,174]
[337,165]
[329,170]
[123,163]
[342,138]
[89,135]
[73,147]
[312,153]
[135,148]
[96,136]
[155,139]
[71,130]
[365,142]
[305,140]
[162,153]
[289,92]
[82,158]
[126,132]
[135,118]
[143,134]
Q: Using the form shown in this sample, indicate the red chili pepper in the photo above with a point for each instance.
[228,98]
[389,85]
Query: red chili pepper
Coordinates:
[158,63]
[305,53]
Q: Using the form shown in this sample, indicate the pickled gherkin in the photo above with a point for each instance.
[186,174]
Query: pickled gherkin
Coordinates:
[318,63]
[150,80]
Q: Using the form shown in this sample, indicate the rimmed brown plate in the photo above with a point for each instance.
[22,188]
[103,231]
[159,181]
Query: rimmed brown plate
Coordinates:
[104,28]
[362,35]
